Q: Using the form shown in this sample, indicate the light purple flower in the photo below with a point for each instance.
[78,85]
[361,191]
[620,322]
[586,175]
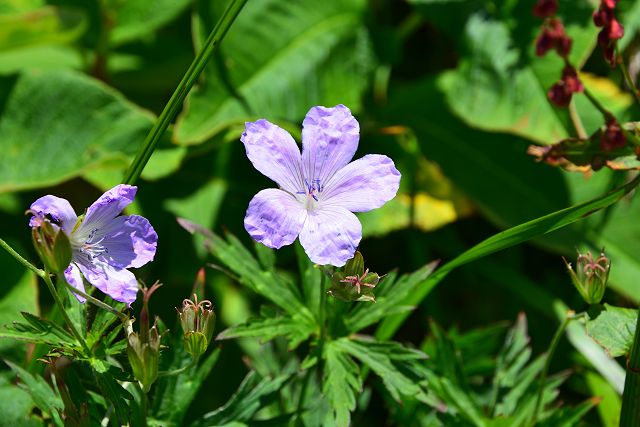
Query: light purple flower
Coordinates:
[319,189]
[104,245]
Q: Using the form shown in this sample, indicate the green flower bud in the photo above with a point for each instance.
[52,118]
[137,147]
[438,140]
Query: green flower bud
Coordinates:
[197,320]
[52,245]
[144,354]
[352,282]
[590,276]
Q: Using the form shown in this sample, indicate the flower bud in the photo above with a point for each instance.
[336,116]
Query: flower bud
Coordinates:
[144,354]
[197,320]
[545,8]
[52,245]
[590,276]
[352,282]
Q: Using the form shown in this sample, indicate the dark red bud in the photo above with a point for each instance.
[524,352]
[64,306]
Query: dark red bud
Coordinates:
[611,4]
[612,138]
[544,43]
[571,80]
[601,17]
[559,95]
[616,30]
[545,8]
[563,46]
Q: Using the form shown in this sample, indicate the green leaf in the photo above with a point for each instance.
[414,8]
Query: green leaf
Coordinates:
[610,405]
[93,124]
[267,283]
[390,296]
[613,328]
[253,394]
[176,393]
[115,394]
[341,383]
[46,25]
[38,330]
[505,239]
[268,328]
[320,55]
[16,405]
[390,361]
[135,19]
[568,417]
[43,396]
[23,296]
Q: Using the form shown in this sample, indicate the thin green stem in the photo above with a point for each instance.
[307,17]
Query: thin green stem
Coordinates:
[67,319]
[179,95]
[627,77]
[543,375]
[577,122]
[630,413]
[606,113]
[20,259]
[95,301]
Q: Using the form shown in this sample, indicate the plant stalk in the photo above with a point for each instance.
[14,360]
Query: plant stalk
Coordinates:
[20,259]
[175,102]
[95,301]
[67,319]
[630,413]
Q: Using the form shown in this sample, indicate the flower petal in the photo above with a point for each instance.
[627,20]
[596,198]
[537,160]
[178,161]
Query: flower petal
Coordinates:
[329,141]
[274,153]
[364,184]
[331,235]
[130,241]
[73,277]
[107,207]
[119,283]
[274,218]
[58,209]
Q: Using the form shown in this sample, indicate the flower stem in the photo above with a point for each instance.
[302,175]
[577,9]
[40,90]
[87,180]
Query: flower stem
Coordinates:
[179,95]
[606,113]
[543,375]
[95,301]
[630,414]
[21,260]
[627,77]
[67,319]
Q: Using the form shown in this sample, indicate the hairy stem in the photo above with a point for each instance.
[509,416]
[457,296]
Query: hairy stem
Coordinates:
[179,95]
[20,259]
[95,301]
[630,414]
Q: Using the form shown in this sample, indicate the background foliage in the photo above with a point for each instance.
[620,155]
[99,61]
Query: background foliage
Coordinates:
[451,90]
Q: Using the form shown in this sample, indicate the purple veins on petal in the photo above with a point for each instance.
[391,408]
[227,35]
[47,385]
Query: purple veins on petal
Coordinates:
[274,218]
[74,278]
[56,208]
[130,241]
[108,206]
[119,283]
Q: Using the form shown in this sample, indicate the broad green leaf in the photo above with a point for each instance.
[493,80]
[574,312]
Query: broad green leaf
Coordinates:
[390,297]
[505,239]
[253,394]
[320,55]
[41,57]
[341,382]
[46,25]
[134,19]
[492,91]
[23,296]
[58,124]
[390,361]
[16,405]
[613,328]
[41,393]
[164,162]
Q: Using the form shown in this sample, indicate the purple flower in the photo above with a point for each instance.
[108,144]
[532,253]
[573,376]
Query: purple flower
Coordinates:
[103,244]
[319,189]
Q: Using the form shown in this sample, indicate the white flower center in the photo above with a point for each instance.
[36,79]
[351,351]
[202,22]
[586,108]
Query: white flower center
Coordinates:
[310,195]
[91,246]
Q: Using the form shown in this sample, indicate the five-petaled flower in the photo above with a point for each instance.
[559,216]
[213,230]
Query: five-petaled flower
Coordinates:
[104,245]
[319,188]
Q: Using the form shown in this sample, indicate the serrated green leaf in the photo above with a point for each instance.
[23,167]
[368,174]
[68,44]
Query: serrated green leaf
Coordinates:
[38,330]
[43,396]
[267,329]
[569,416]
[613,328]
[81,122]
[253,394]
[390,361]
[23,296]
[16,405]
[115,394]
[389,297]
[341,382]
[319,56]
